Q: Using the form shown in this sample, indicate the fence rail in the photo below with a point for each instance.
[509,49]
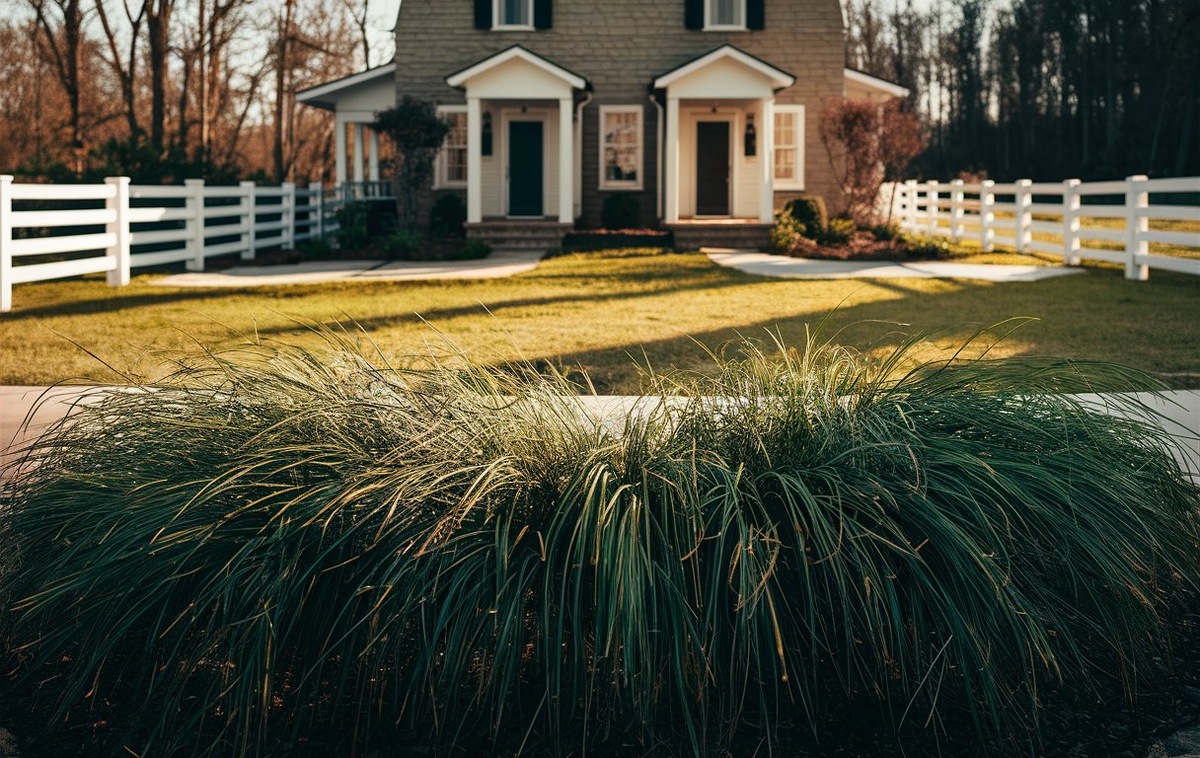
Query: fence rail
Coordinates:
[128,226]
[1071,219]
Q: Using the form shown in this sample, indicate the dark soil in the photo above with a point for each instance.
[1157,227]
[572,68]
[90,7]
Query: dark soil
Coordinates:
[865,246]
[1108,721]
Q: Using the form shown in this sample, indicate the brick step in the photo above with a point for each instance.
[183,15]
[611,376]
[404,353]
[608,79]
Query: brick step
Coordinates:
[751,236]
[519,236]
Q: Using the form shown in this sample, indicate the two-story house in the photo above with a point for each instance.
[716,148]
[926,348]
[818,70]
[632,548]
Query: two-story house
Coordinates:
[703,111]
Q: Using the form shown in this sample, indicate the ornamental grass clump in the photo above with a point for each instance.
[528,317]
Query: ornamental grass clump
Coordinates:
[276,545]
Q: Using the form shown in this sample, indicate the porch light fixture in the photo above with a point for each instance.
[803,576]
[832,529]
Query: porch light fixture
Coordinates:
[485,135]
[751,137]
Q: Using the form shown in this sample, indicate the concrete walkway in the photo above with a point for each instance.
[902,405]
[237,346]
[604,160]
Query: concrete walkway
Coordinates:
[764,264]
[494,266]
[1179,414]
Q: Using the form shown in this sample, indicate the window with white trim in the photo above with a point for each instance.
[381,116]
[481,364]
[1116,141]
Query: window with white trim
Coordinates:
[724,14]
[513,14]
[620,147]
[789,147]
[452,160]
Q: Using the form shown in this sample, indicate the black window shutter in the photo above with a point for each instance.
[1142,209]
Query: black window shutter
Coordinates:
[756,14]
[693,14]
[483,14]
[543,14]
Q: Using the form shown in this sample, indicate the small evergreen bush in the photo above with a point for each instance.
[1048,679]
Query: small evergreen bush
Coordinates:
[621,210]
[472,249]
[788,235]
[838,231]
[810,211]
[928,247]
[352,233]
[448,216]
[401,244]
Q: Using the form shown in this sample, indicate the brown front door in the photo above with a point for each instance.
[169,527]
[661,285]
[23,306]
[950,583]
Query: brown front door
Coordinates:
[712,168]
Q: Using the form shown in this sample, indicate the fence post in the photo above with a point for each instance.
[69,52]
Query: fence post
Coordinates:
[287,205]
[1072,202]
[987,216]
[195,224]
[6,229]
[910,195]
[956,210]
[118,275]
[316,210]
[932,195]
[1136,225]
[250,212]
[1024,200]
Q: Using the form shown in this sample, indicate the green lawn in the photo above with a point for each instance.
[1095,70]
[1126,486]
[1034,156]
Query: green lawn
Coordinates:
[603,312]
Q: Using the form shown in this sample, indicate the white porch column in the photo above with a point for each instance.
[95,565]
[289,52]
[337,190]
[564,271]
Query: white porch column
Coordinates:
[474,161]
[766,157]
[358,153]
[672,151]
[340,150]
[566,161]
[373,159]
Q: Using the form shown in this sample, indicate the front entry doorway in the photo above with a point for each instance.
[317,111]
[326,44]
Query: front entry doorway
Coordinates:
[712,168]
[525,168]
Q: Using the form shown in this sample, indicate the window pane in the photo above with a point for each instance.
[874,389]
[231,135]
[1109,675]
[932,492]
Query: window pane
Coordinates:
[725,12]
[785,164]
[455,151]
[621,141]
[785,129]
[515,13]
[786,149]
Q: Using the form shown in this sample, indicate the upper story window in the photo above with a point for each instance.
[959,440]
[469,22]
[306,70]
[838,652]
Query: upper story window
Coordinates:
[724,14]
[512,14]
[452,160]
[620,147]
[789,147]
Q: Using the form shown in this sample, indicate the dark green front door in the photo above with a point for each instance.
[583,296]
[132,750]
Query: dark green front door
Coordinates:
[525,168]
[712,168]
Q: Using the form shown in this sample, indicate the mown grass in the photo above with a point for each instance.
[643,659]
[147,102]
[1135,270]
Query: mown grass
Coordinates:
[276,543]
[602,312]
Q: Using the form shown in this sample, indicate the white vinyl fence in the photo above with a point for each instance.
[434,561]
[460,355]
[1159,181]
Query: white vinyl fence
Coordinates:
[51,231]
[1140,223]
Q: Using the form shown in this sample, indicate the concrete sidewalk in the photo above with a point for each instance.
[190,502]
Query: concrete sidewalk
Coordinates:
[494,266]
[26,411]
[782,266]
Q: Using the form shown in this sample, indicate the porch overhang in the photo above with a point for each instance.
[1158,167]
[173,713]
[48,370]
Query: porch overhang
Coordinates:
[726,72]
[521,75]
[329,95]
[517,73]
[862,86]
[355,101]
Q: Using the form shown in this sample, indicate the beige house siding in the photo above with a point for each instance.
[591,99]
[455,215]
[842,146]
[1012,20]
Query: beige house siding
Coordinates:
[621,50]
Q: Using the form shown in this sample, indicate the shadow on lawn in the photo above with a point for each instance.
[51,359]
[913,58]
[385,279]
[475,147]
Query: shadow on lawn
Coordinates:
[99,305]
[1097,316]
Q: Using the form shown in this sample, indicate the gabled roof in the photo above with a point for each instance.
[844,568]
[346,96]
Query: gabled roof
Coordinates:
[875,83]
[779,79]
[516,52]
[325,95]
